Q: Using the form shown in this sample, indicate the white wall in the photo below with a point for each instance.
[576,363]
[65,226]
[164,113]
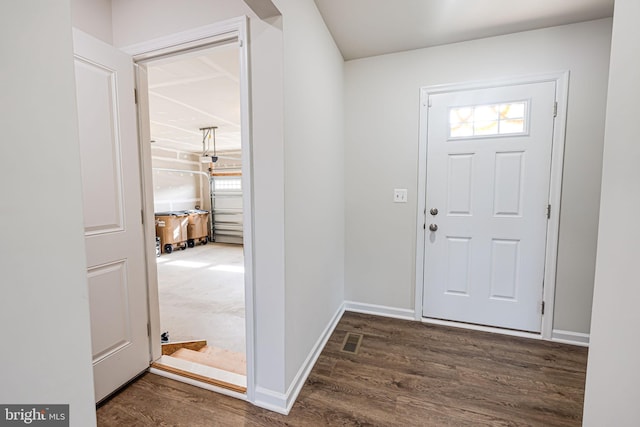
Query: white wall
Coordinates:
[382,106]
[612,392]
[297,166]
[311,299]
[183,190]
[314,179]
[93,17]
[44,307]
[135,21]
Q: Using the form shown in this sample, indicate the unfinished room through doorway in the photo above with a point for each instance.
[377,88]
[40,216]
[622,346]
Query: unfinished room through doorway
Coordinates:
[196,167]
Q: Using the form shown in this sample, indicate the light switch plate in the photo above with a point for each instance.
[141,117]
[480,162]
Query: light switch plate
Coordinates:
[400,195]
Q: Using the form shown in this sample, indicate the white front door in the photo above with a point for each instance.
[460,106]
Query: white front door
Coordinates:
[112,213]
[488,174]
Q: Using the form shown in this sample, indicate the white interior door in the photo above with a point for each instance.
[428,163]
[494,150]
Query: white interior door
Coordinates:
[112,213]
[488,174]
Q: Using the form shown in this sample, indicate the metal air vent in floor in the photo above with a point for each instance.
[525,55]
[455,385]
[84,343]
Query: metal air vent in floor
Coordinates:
[351,343]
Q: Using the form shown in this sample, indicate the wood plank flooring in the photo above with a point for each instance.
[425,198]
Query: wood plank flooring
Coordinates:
[405,374]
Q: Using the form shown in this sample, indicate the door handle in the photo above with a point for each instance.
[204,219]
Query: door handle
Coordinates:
[433,227]
[433,211]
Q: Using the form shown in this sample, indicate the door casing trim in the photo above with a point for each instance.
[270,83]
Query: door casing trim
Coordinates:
[235,29]
[561,80]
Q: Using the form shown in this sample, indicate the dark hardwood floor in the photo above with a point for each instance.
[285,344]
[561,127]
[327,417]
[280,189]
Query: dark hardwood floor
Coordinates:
[405,374]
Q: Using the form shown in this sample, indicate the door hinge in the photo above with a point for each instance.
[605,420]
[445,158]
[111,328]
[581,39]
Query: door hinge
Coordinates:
[135,96]
[542,307]
[548,211]
[141,216]
[148,329]
[429,103]
[555,109]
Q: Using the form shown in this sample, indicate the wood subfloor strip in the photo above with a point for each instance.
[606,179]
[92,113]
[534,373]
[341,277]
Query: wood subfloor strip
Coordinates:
[170,348]
[215,358]
[207,380]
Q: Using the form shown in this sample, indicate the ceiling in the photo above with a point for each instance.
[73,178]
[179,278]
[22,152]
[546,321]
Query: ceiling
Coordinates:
[363,28]
[195,90]
[201,89]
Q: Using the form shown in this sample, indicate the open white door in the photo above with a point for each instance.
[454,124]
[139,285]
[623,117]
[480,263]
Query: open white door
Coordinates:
[487,192]
[112,213]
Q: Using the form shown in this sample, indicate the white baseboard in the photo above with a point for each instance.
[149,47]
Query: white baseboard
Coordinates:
[380,310]
[569,337]
[270,400]
[283,402]
[197,383]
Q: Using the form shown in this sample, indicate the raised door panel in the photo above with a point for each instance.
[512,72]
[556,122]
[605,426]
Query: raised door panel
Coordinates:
[100,150]
[509,180]
[109,302]
[460,184]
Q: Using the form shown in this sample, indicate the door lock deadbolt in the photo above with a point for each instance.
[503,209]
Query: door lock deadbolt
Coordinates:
[433,211]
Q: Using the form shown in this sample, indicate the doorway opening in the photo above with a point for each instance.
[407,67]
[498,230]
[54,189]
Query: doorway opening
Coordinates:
[195,129]
[193,108]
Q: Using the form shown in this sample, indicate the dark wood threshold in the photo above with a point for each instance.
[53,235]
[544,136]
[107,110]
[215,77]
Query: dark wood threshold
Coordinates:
[207,380]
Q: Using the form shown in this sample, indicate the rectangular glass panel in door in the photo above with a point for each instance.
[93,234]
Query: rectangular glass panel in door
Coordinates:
[488,119]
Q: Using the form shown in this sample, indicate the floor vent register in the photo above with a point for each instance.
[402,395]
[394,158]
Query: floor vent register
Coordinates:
[351,343]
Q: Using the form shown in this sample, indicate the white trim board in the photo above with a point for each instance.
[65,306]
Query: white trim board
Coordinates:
[283,402]
[197,383]
[221,375]
[379,310]
[218,32]
[557,159]
[271,400]
[569,337]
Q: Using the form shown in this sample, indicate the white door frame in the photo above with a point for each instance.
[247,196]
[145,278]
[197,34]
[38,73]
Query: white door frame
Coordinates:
[557,155]
[225,31]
